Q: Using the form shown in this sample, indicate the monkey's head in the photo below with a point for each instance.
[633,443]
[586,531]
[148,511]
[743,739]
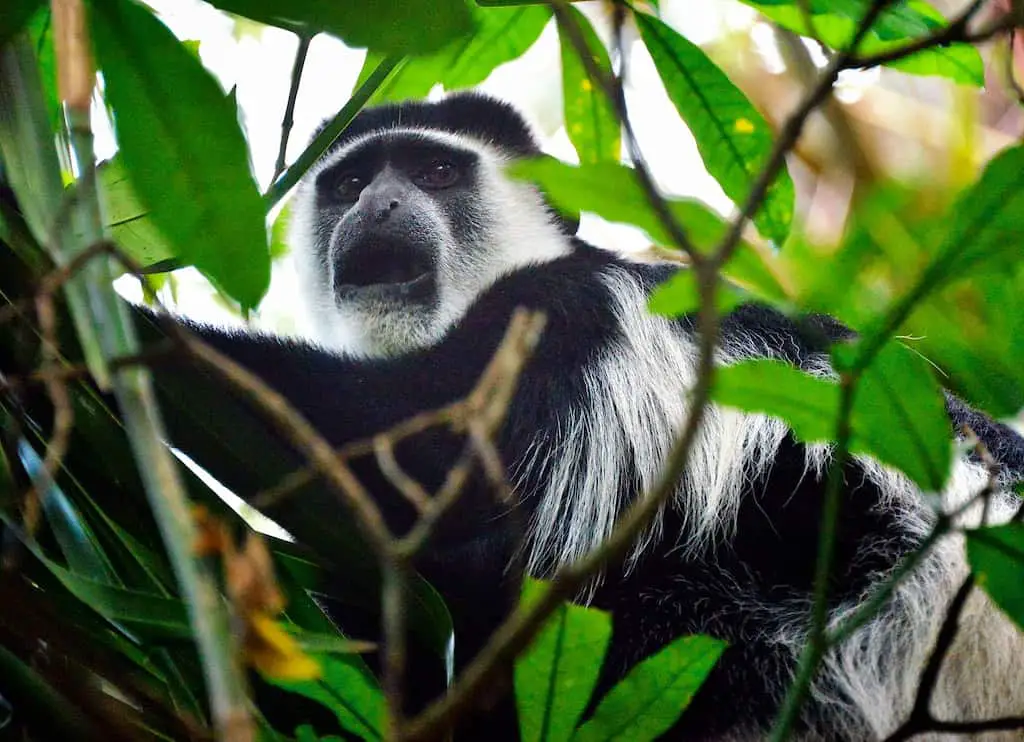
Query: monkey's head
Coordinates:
[409,217]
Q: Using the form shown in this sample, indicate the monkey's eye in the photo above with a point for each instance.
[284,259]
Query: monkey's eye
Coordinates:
[350,185]
[438,174]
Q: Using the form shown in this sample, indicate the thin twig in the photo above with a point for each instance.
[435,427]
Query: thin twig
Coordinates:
[383,449]
[63,414]
[272,496]
[920,718]
[320,144]
[289,109]
[612,87]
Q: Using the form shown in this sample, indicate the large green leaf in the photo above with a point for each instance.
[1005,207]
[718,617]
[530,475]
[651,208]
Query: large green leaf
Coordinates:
[996,556]
[501,35]
[182,148]
[987,221]
[835,22]
[732,136]
[898,413]
[590,118]
[899,416]
[383,25]
[654,694]
[808,404]
[612,192]
[128,220]
[556,675]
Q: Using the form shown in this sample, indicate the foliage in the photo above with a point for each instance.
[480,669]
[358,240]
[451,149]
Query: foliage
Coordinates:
[931,281]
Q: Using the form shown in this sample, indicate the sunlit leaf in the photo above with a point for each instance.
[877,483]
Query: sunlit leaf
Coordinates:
[996,556]
[555,677]
[732,136]
[836,22]
[501,35]
[612,192]
[182,149]
[898,414]
[590,119]
[655,693]
[128,220]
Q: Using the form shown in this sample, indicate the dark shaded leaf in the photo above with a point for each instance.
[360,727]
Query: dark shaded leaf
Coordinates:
[733,138]
[654,694]
[15,17]
[555,677]
[407,28]
[182,148]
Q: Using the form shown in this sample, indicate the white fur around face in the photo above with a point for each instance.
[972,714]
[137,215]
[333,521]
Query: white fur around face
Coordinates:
[517,231]
[636,401]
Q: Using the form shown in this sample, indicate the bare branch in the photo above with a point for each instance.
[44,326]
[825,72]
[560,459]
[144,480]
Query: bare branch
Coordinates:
[289,109]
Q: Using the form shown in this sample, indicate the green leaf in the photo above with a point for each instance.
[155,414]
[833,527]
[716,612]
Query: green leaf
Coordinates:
[987,221]
[72,533]
[808,404]
[555,677]
[590,118]
[40,31]
[348,691]
[279,246]
[899,417]
[974,332]
[733,138]
[996,556]
[654,694]
[146,614]
[679,296]
[182,148]
[128,220]
[898,413]
[835,22]
[612,192]
[501,35]
[383,25]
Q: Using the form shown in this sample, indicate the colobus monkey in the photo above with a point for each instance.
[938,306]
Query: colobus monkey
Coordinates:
[415,248]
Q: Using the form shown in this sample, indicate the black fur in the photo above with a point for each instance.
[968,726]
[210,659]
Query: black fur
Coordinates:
[484,119]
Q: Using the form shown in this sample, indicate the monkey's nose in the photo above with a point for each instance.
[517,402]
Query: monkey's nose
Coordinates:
[385,209]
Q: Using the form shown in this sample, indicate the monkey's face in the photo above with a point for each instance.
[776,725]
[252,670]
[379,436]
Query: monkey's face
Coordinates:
[406,229]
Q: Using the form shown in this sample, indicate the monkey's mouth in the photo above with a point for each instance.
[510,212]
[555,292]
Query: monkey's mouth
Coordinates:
[387,272]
